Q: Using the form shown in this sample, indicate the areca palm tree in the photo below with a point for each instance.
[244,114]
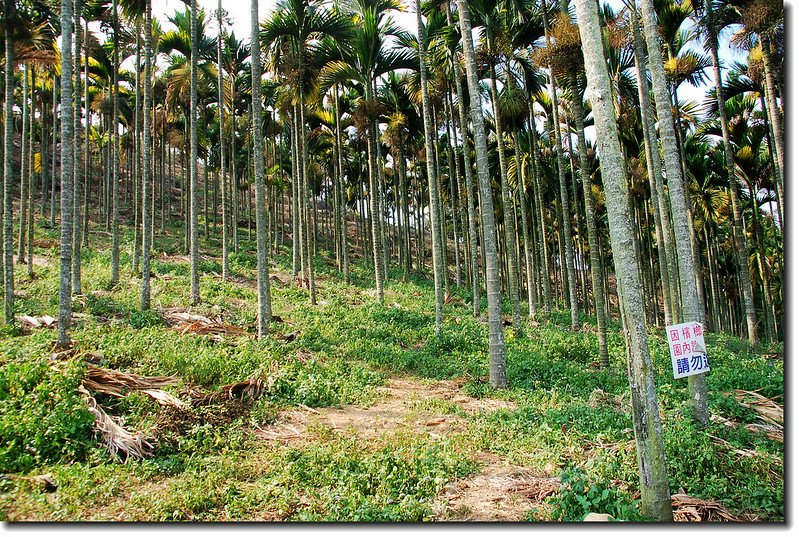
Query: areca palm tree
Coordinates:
[67,170]
[654,483]
[691,308]
[193,181]
[496,343]
[147,179]
[264,300]
[299,26]
[711,34]
[435,209]
[565,228]
[8,141]
[366,57]
[493,19]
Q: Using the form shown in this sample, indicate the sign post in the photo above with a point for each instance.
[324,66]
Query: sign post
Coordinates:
[687,348]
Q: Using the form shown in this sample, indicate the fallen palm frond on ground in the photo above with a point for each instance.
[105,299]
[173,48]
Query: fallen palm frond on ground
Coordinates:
[252,388]
[189,323]
[767,409]
[118,383]
[115,437]
[772,432]
[689,509]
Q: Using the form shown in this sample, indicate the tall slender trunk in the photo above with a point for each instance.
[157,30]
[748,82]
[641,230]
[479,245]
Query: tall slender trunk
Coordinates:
[469,180]
[115,153]
[566,236]
[295,200]
[507,207]
[261,236]
[668,272]
[31,183]
[304,189]
[8,147]
[774,116]
[590,221]
[87,159]
[543,245]
[55,153]
[374,204]
[768,311]
[345,260]
[24,171]
[146,165]
[528,258]
[194,242]
[222,161]
[76,179]
[435,210]
[690,305]
[738,231]
[67,163]
[654,483]
[136,145]
[496,343]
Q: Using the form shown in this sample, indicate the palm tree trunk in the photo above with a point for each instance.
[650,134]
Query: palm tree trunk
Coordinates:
[666,254]
[136,164]
[194,242]
[691,306]
[566,236]
[496,343]
[115,151]
[296,242]
[435,210]
[31,182]
[507,208]
[67,171]
[8,147]
[147,176]
[87,159]
[528,258]
[468,180]
[345,260]
[222,161]
[590,220]
[775,119]
[24,171]
[654,483]
[76,179]
[55,152]
[374,206]
[543,248]
[305,190]
[738,231]
[261,235]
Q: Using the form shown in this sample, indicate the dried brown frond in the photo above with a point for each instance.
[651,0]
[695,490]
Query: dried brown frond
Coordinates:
[189,323]
[165,399]
[116,438]
[689,509]
[767,409]
[252,388]
[117,383]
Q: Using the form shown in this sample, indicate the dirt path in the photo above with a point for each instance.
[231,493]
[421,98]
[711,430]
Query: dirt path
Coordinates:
[499,492]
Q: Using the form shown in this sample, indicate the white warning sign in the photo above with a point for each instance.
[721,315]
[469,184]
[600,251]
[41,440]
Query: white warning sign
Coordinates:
[687,348]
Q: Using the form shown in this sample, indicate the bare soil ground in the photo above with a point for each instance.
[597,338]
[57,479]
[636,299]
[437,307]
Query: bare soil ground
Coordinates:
[500,491]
